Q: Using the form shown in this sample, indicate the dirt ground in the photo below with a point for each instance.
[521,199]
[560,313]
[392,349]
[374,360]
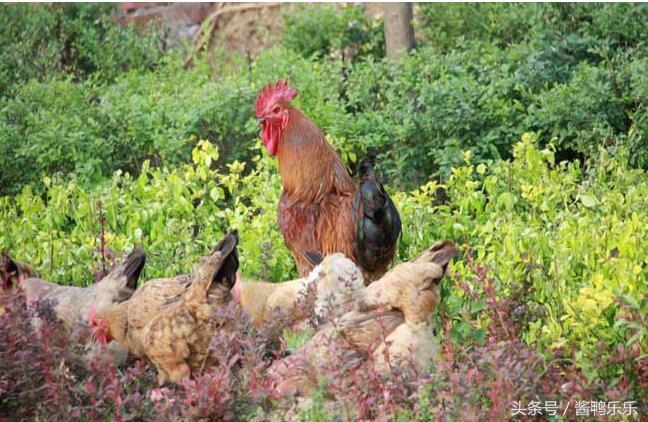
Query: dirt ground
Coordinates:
[251,31]
[244,31]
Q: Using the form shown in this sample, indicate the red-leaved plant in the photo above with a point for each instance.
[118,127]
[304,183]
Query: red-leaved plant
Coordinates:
[469,380]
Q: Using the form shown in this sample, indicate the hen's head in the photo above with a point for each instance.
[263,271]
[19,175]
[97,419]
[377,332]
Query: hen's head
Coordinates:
[99,327]
[272,111]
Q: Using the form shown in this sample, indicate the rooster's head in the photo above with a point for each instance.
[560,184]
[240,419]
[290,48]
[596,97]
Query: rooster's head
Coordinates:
[272,111]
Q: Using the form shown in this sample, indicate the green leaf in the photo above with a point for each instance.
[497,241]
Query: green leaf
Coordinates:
[477,306]
[214,194]
[587,201]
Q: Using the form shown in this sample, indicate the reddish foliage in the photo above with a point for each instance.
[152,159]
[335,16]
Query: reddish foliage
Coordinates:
[470,380]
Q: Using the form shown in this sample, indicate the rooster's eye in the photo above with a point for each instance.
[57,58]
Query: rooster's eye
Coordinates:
[276,110]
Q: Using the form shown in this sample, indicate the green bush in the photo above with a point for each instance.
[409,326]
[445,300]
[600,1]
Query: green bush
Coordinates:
[589,108]
[326,30]
[561,77]
[443,25]
[176,214]
[422,113]
[638,133]
[40,41]
[574,238]
[51,128]
[90,131]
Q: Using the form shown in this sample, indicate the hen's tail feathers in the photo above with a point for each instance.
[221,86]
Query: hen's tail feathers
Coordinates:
[133,267]
[8,270]
[312,257]
[441,254]
[219,268]
[379,225]
[13,272]
[226,274]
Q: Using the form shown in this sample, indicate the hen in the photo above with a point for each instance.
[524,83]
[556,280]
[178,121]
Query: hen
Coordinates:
[169,321]
[335,283]
[321,208]
[412,288]
[71,304]
[392,326]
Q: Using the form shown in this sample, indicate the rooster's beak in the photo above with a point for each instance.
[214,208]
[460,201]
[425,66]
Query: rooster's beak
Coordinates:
[260,121]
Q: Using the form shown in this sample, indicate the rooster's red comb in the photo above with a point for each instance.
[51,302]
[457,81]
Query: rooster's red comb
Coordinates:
[279,91]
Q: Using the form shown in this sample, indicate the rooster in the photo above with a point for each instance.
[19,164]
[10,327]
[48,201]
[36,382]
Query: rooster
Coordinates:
[321,208]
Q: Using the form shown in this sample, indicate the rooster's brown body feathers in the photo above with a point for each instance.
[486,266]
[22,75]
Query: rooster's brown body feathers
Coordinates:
[323,210]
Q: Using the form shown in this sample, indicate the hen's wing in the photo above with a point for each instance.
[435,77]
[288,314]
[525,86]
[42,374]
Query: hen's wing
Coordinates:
[151,297]
[365,330]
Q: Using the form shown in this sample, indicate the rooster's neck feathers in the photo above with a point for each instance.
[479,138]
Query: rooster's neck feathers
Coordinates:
[310,168]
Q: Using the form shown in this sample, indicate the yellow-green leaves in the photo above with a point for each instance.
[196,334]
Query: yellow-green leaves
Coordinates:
[575,239]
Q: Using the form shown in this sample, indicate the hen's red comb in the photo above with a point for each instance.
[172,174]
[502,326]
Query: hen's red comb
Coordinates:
[273,93]
[92,317]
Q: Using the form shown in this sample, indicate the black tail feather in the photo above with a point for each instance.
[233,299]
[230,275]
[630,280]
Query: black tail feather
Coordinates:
[380,225]
[227,272]
[314,258]
[133,267]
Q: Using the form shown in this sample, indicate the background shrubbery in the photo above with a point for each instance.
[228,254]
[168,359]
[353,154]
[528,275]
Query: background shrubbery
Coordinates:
[518,131]
[575,73]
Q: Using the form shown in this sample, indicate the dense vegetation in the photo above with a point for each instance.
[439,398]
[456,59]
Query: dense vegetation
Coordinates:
[519,132]
[575,74]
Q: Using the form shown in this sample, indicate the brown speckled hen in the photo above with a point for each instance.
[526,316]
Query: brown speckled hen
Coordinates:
[168,321]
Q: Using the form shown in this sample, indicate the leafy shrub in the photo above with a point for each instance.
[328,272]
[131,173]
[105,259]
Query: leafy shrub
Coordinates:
[41,41]
[90,131]
[441,24]
[52,128]
[418,115]
[176,214]
[422,113]
[622,25]
[571,236]
[638,133]
[587,109]
[326,30]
